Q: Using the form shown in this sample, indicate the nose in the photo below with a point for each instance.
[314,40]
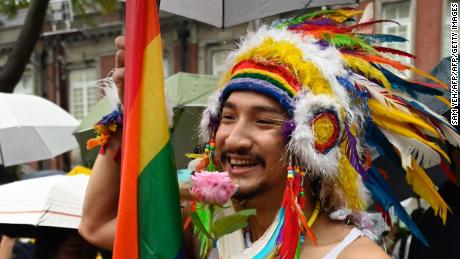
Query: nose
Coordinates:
[238,137]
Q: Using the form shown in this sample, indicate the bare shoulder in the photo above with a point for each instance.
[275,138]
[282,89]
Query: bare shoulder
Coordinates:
[363,248]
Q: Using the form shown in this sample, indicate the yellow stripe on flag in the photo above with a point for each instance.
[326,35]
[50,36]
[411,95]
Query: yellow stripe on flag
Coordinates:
[154,120]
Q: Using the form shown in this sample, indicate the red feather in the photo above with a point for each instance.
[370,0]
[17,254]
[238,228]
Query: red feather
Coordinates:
[394,51]
[430,85]
[314,27]
[385,214]
[448,172]
[369,23]
[291,230]
[382,60]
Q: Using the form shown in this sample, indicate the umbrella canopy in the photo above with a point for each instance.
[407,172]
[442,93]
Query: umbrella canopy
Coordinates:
[188,93]
[53,201]
[226,13]
[33,128]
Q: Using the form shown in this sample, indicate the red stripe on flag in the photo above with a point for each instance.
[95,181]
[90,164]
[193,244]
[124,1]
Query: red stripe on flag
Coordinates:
[142,25]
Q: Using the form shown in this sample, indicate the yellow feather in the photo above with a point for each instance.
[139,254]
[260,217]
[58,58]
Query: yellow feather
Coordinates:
[444,100]
[423,186]
[429,76]
[390,113]
[292,57]
[343,14]
[404,129]
[366,68]
[348,177]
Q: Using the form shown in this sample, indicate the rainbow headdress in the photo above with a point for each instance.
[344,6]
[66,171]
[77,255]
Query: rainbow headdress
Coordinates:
[342,100]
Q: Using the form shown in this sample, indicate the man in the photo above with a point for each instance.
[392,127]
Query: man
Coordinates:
[288,127]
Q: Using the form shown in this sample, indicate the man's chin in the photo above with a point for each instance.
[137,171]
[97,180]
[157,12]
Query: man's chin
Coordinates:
[246,193]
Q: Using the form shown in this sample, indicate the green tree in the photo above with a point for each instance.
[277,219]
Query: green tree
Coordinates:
[12,70]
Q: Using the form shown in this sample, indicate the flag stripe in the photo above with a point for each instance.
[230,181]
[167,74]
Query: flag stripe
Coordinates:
[148,223]
[159,221]
[154,121]
[139,34]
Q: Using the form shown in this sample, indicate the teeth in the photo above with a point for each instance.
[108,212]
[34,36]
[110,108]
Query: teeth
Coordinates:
[240,162]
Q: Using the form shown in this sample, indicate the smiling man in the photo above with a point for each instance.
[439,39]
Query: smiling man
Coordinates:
[298,110]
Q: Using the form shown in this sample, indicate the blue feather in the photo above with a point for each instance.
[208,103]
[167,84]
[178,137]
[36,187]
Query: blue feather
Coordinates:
[377,139]
[409,87]
[271,244]
[361,96]
[381,193]
[379,38]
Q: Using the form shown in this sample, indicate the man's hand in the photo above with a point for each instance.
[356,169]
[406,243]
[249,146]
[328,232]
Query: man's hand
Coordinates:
[119,73]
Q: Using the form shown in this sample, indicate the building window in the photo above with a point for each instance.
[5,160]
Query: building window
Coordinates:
[84,93]
[399,12]
[26,85]
[217,61]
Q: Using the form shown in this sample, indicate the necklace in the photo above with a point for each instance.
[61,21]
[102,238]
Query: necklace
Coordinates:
[314,215]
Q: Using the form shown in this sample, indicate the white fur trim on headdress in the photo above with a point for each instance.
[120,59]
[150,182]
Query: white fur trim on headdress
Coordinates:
[302,142]
[212,110]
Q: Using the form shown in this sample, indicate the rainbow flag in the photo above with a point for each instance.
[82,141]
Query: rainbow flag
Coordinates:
[149,217]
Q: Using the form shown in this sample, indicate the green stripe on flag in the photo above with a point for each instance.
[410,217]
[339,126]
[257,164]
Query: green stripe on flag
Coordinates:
[160,228]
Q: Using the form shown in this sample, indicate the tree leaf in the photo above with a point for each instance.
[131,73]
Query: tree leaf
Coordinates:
[231,223]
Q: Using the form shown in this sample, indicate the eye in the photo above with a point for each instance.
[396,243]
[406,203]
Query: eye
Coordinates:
[227,118]
[266,122]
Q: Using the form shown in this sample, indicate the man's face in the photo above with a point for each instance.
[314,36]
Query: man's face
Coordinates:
[249,143]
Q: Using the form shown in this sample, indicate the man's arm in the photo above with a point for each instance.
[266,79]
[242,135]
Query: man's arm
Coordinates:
[101,200]
[6,247]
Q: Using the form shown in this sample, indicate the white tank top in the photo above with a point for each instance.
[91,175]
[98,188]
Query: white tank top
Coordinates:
[352,236]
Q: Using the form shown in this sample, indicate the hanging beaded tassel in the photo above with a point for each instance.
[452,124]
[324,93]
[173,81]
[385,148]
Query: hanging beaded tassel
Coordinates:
[288,239]
[305,225]
[209,150]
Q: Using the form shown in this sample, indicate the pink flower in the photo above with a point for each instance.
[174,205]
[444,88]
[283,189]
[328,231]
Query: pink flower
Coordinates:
[212,187]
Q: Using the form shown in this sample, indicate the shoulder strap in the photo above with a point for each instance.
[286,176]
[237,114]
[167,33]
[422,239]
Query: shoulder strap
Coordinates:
[352,236]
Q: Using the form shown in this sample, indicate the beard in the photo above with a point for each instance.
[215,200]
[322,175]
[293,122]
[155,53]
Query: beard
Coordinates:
[243,195]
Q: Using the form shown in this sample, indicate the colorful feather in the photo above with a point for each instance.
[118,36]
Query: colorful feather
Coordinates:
[381,192]
[290,230]
[448,172]
[410,148]
[394,51]
[377,139]
[382,95]
[407,86]
[423,186]
[382,38]
[364,68]
[387,116]
[351,42]
[362,25]
[348,177]
[405,130]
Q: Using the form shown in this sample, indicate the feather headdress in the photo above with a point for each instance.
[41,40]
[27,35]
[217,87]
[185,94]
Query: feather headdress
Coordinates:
[342,99]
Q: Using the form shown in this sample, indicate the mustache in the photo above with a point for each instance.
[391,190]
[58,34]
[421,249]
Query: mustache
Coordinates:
[225,155]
